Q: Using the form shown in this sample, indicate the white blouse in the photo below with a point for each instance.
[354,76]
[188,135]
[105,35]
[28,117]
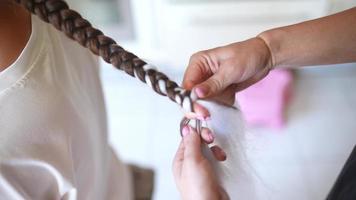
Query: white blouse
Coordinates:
[53,131]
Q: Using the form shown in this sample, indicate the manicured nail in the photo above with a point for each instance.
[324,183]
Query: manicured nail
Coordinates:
[219,154]
[223,154]
[185,131]
[202,118]
[211,136]
[200,92]
[191,115]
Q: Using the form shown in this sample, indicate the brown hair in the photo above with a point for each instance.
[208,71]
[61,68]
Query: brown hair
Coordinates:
[57,13]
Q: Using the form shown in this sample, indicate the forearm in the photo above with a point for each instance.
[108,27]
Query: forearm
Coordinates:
[327,40]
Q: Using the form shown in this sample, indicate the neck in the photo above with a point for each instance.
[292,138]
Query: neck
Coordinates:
[15,30]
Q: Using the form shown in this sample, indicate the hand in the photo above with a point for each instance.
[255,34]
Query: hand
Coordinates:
[193,173]
[219,73]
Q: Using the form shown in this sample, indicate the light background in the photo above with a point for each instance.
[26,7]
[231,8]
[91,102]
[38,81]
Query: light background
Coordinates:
[299,162]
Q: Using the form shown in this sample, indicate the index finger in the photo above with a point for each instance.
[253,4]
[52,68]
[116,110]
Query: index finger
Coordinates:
[196,72]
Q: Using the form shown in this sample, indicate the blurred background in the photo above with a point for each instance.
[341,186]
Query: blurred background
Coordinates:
[299,136]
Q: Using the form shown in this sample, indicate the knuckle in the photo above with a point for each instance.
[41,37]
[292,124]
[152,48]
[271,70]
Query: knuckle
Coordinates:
[215,84]
[197,55]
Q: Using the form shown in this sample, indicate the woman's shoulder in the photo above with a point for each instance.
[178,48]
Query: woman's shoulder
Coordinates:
[15,31]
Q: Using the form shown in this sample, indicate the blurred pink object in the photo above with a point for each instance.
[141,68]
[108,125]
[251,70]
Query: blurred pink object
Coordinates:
[264,103]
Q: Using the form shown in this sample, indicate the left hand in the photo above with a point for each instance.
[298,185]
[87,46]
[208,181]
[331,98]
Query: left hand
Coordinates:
[217,74]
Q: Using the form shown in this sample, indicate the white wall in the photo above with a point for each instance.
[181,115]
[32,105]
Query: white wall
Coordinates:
[144,126]
[171,32]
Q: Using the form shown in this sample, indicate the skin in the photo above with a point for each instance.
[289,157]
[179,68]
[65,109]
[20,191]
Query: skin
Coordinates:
[15,30]
[217,74]
[190,164]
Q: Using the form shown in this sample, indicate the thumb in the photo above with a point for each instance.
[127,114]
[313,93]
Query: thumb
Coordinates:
[213,86]
[192,143]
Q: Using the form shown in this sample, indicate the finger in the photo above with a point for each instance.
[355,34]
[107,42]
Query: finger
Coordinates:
[196,72]
[178,160]
[192,144]
[218,153]
[213,86]
[200,112]
[207,135]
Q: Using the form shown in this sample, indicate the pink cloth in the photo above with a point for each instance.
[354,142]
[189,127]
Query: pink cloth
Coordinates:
[265,102]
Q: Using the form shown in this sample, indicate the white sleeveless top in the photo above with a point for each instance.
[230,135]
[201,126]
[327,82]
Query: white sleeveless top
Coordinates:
[53,132]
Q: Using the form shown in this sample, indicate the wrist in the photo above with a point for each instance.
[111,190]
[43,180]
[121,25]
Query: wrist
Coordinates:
[269,59]
[273,40]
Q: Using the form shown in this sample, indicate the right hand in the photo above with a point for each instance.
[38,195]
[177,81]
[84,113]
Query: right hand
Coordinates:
[219,73]
[193,173]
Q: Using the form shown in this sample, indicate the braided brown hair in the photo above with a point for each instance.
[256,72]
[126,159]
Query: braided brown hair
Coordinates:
[58,13]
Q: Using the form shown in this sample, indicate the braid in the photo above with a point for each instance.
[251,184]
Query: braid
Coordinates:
[57,13]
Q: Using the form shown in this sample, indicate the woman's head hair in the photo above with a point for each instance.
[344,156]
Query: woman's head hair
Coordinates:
[57,13]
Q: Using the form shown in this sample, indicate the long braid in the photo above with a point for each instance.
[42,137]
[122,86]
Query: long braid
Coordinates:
[58,13]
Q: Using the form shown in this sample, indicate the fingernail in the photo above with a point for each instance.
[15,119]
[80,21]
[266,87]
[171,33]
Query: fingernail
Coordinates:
[185,131]
[191,115]
[223,154]
[202,118]
[211,136]
[200,92]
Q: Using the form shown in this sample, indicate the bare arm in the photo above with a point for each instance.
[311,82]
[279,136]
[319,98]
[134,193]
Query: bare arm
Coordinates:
[218,73]
[328,40]
[15,29]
